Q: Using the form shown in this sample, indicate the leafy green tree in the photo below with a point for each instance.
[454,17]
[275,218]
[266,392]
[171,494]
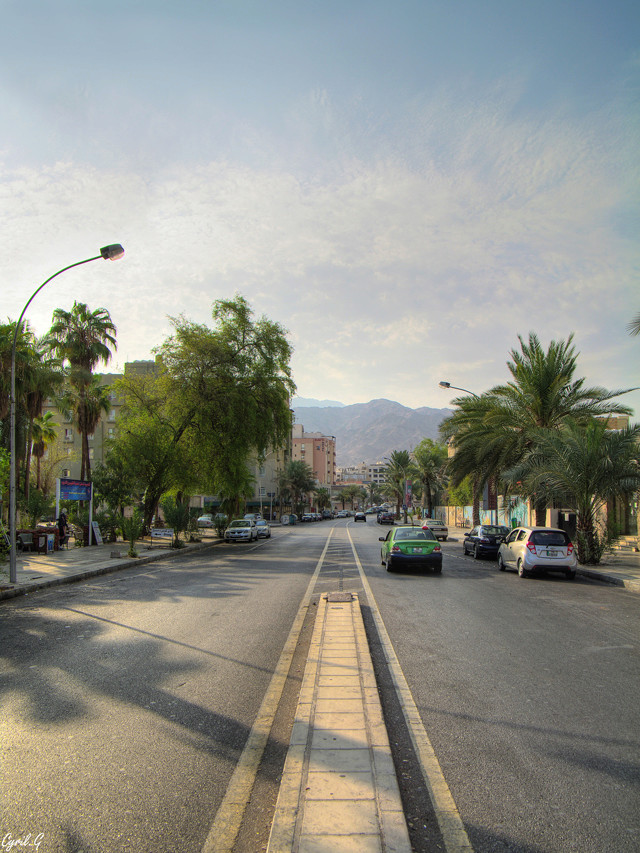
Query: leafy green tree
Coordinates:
[374,494]
[430,461]
[219,398]
[586,465]
[82,339]
[114,484]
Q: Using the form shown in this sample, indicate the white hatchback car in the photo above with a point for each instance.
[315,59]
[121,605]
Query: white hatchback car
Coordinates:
[538,549]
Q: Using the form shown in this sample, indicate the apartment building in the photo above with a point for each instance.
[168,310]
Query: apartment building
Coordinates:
[318,451]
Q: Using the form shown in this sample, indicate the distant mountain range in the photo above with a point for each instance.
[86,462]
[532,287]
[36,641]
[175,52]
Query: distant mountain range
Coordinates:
[369,432]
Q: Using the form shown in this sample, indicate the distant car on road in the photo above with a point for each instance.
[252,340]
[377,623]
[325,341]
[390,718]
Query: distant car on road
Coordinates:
[385,518]
[206,520]
[532,550]
[342,514]
[439,528]
[241,530]
[410,547]
[485,540]
[360,516]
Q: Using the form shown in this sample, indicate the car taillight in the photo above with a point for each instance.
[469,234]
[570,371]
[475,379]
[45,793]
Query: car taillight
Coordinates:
[437,548]
[532,547]
[569,549]
[396,548]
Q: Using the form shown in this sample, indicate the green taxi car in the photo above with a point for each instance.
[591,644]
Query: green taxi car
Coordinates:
[410,548]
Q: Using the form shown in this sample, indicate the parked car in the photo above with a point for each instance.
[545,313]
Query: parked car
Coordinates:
[206,520]
[263,529]
[484,541]
[530,550]
[327,513]
[241,530]
[410,547]
[253,516]
[360,516]
[439,528]
[385,518]
[307,516]
[342,513]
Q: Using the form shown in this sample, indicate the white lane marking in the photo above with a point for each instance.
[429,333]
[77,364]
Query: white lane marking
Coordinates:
[451,826]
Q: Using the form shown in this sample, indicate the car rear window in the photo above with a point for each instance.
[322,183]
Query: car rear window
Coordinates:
[550,537]
[415,534]
[493,531]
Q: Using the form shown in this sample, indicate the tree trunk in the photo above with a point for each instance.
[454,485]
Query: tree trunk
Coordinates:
[476,503]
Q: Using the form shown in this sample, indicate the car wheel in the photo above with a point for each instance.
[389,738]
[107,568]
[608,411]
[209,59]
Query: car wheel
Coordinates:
[444,538]
[571,575]
[501,564]
[464,549]
[389,567]
[476,553]
[521,570]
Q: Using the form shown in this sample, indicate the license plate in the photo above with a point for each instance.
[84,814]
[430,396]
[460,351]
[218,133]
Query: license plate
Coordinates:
[551,553]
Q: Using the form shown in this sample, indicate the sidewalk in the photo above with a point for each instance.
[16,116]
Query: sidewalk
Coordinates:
[36,571]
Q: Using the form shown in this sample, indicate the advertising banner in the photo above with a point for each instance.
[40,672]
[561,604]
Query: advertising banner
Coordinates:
[75,490]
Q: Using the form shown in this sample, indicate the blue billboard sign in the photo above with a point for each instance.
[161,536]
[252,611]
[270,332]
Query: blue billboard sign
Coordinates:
[75,490]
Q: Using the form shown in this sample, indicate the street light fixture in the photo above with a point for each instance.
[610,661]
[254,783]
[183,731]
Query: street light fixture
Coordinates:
[444,384]
[108,253]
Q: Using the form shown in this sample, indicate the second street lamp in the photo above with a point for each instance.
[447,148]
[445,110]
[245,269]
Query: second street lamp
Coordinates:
[109,253]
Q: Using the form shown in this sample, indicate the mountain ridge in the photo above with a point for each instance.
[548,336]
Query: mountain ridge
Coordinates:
[369,432]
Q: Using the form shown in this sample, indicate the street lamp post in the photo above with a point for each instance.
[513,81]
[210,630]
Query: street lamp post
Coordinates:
[444,384]
[108,253]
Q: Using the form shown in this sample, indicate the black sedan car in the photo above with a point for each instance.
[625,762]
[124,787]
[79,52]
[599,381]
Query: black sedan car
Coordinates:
[484,541]
[386,518]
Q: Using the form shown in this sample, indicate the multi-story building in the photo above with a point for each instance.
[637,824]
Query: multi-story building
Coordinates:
[318,451]
[364,474]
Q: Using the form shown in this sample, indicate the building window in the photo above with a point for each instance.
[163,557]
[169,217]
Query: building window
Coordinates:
[68,435]
[66,472]
[262,491]
[111,432]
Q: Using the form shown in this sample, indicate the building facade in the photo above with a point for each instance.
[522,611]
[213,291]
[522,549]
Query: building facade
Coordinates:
[318,451]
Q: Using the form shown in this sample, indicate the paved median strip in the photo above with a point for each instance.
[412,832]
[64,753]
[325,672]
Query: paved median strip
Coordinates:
[339,790]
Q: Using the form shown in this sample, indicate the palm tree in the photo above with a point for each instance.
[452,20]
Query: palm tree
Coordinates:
[634,325]
[43,434]
[82,338]
[298,481]
[496,431]
[400,468]
[586,465]
[430,460]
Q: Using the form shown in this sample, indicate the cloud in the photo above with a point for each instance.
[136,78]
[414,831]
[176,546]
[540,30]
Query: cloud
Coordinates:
[405,257]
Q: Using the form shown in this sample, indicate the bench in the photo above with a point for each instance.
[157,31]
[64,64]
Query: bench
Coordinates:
[162,533]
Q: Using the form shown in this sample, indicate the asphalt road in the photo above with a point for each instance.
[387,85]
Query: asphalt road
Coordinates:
[126,701]
[529,691]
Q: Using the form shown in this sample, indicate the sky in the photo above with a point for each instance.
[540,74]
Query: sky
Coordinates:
[405,185]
